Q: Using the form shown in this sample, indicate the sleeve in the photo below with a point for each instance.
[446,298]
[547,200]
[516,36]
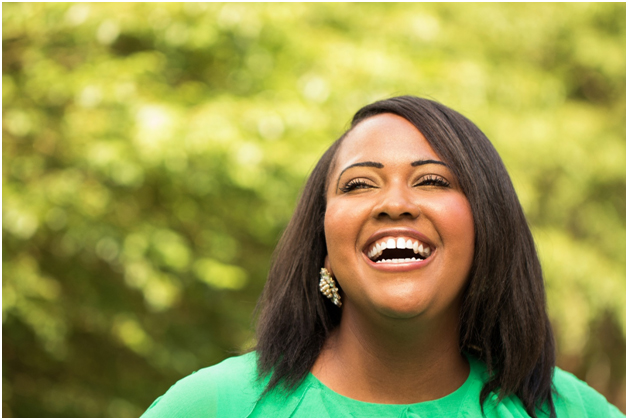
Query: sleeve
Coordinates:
[192,396]
[574,398]
[228,389]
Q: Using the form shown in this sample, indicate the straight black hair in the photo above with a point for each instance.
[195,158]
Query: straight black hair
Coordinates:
[503,318]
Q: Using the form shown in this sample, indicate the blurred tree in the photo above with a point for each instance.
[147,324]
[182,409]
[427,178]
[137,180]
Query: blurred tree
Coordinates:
[153,153]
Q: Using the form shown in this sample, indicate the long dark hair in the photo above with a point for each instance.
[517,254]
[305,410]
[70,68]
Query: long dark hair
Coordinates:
[503,319]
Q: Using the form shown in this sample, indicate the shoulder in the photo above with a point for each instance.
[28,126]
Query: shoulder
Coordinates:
[574,398]
[228,389]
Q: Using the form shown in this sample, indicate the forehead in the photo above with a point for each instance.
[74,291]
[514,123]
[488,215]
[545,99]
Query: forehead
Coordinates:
[384,138]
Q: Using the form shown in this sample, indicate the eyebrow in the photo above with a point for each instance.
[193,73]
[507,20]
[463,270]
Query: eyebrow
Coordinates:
[380,166]
[427,161]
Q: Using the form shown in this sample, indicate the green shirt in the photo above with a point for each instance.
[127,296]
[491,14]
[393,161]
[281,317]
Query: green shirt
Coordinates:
[230,389]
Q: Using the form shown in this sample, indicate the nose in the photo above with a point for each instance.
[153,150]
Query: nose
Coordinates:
[396,203]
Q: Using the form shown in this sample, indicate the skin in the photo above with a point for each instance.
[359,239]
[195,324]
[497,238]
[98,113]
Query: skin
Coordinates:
[397,342]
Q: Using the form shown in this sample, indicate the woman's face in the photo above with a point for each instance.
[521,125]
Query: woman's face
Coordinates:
[399,230]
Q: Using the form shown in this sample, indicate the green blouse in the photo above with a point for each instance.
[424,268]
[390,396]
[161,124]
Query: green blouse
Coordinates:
[230,389]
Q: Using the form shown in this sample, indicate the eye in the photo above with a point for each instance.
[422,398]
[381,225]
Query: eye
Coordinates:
[432,180]
[356,184]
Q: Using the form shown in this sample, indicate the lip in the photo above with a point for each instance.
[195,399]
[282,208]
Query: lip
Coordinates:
[395,267]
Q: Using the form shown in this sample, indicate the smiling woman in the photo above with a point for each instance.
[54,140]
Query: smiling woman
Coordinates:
[436,301]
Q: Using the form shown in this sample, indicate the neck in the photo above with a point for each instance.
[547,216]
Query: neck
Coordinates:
[392,361]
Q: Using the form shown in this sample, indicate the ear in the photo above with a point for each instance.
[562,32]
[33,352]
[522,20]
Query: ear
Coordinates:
[331,272]
[327,265]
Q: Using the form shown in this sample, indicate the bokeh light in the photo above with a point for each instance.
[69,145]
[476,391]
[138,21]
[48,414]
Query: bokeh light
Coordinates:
[154,152]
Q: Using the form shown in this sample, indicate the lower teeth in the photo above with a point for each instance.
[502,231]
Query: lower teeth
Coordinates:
[399,260]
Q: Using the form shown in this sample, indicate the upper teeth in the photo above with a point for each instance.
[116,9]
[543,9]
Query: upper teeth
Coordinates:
[398,243]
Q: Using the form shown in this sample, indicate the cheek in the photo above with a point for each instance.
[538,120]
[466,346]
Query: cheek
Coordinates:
[337,227]
[456,223]
[342,227]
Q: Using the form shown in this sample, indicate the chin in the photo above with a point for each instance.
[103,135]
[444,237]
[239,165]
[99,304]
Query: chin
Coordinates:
[398,312]
[401,307]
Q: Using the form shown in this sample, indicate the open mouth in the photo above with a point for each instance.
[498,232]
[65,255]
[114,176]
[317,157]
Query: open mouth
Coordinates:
[398,250]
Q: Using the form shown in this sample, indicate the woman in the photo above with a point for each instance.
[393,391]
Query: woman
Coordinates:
[406,284]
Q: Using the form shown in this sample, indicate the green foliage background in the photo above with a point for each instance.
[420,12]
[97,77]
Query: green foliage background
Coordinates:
[153,153]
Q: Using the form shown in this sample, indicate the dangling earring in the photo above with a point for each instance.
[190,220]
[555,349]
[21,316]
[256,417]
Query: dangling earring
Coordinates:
[327,286]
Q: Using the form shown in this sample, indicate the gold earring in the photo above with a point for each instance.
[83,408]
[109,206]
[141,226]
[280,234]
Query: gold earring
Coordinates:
[327,286]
